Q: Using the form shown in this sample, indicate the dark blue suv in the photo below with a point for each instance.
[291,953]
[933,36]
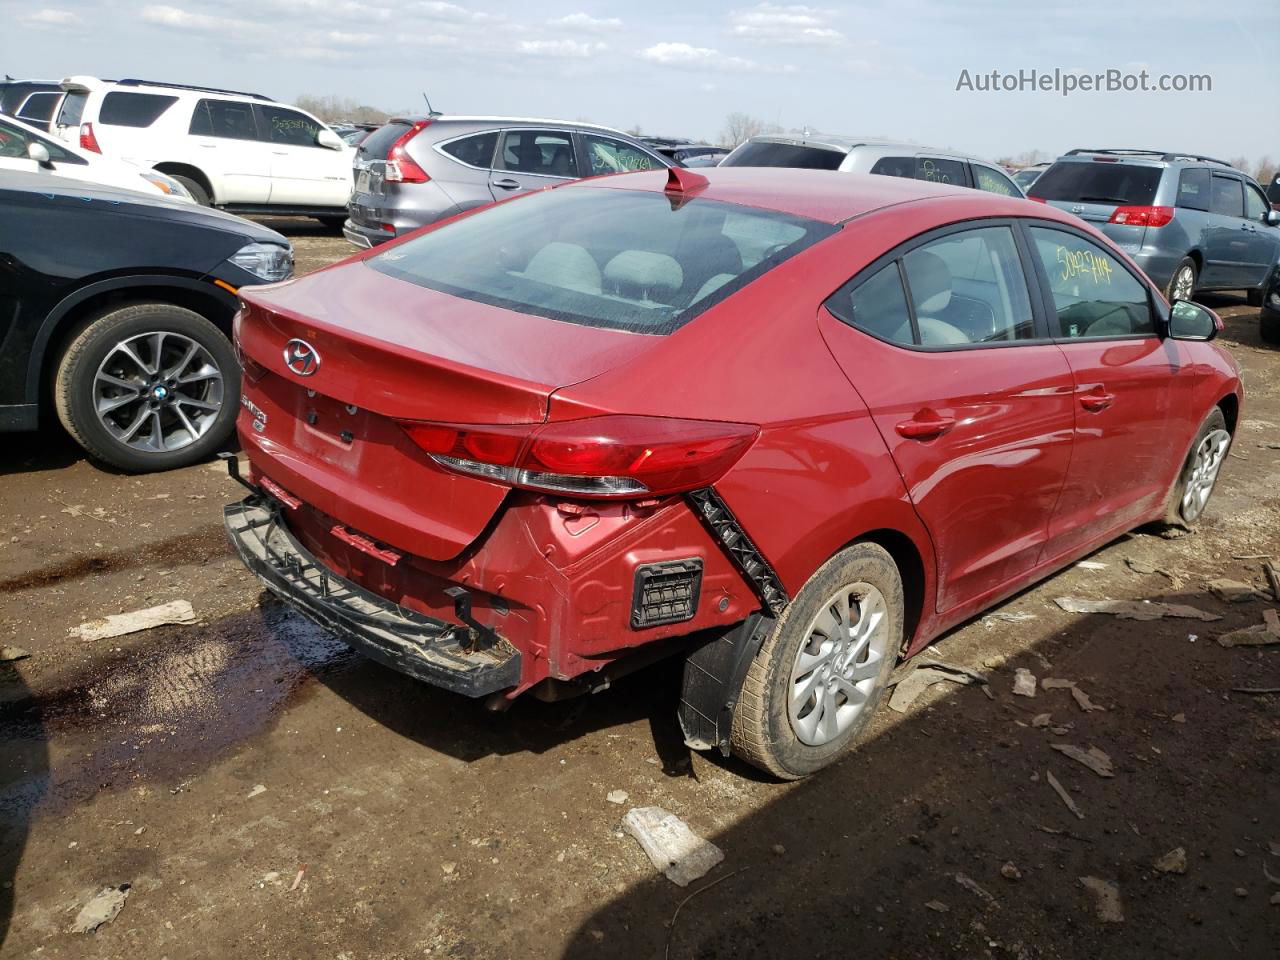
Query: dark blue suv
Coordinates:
[1191,222]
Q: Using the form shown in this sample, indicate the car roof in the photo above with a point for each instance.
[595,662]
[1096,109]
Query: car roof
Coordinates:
[847,143]
[827,195]
[1140,155]
[458,118]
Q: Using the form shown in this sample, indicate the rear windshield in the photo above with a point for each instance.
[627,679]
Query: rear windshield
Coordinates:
[73,108]
[619,259]
[1083,181]
[378,144]
[39,108]
[765,153]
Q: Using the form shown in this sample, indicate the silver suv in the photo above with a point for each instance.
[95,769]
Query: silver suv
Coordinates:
[820,151]
[417,170]
[1191,222]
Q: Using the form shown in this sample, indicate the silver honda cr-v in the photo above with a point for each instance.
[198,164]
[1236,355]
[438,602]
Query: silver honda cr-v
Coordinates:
[416,170]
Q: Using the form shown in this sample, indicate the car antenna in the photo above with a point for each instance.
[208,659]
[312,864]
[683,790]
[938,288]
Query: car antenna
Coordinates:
[431,111]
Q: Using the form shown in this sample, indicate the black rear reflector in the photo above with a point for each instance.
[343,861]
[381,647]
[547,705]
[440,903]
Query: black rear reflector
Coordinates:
[666,593]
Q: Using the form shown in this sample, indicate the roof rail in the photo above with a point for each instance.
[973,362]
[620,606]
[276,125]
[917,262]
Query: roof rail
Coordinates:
[134,82]
[1162,154]
[1193,156]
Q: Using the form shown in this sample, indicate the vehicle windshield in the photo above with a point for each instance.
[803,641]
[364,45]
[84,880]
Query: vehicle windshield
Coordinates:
[769,153]
[620,259]
[1083,181]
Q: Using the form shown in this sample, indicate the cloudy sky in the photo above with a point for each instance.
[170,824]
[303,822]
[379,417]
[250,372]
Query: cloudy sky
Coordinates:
[679,68]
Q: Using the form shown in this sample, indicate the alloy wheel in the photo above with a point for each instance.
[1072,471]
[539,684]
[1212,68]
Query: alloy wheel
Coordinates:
[1210,453]
[1183,284]
[836,667]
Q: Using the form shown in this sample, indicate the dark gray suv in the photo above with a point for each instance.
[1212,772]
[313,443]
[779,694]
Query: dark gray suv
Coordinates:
[417,170]
[1191,222]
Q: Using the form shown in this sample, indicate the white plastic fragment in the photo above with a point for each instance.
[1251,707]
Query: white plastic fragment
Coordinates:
[1024,683]
[673,848]
[103,907]
[119,624]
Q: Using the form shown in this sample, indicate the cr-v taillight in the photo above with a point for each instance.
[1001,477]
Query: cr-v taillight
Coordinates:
[402,168]
[1142,216]
[609,456]
[87,140]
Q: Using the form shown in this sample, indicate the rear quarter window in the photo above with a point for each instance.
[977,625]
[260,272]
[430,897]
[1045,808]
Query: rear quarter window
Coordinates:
[765,153]
[1085,181]
[476,151]
[133,109]
[1193,189]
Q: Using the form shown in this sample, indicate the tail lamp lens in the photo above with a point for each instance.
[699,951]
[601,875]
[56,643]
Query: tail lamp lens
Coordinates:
[1142,216]
[402,168]
[88,141]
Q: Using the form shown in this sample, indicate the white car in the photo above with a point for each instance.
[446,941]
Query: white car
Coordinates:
[242,152]
[23,147]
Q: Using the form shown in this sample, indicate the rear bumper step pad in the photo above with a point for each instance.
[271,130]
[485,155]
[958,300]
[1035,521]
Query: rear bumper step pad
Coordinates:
[431,650]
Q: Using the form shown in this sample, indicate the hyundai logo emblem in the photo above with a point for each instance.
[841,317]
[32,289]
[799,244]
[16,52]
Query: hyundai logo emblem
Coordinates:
[301,357]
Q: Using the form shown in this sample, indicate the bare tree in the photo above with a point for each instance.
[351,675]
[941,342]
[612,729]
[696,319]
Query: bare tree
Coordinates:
[333,109]
[1265,171]
[739,127]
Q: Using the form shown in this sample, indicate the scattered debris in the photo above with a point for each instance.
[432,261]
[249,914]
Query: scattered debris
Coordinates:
[1010,872]
[1242,892]
[1142,566]
[1081,698]
[102,908]
[1063,795]
[1232,591]
[1024,683]
[271,876]
[1107,897]
[1262,634]
[1041,720]
[671,924]
[448,867]
[672,847]
[1273,578]
[990,619]
[1255,690]
[1275,900]
[779,849]
[1179,718]
[1093,758]
[77,510]
[9,654]
[937,906]
[1271,877]
[1175,861]
[996,662]
[118,624]
[616,796]
[973,887]
[257,790]
[1133,609]
[297,878]
[919,678]
[1091,565]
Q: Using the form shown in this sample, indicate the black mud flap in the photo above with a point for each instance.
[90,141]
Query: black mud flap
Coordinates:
[713,676]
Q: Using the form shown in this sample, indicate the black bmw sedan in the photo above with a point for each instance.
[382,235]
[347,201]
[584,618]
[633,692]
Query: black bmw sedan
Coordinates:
[115,312]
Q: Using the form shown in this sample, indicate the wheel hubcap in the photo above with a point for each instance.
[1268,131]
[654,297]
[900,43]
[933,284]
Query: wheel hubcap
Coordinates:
[158,392]
[1182,286]
[835,670]
[1210,453]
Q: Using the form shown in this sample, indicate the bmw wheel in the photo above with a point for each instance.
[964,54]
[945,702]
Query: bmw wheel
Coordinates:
[1199,473]
[1182,285]
[818,678]
[148,387]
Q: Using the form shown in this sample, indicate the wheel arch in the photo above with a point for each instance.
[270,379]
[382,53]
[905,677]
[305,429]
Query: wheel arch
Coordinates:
[173,167]
[1230,407]
[78,309]
[910,563]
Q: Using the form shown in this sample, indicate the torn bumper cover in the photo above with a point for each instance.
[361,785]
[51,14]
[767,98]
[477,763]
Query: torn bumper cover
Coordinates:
[439,653]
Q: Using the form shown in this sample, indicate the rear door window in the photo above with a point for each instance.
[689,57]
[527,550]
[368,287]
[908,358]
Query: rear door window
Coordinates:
[1193,188]
[121,109]
[229,119]
[1084,181]
[606,155]
[285,127]
[938,170]
[476,151]
[545,152]
[767,153]
[39,108]
[1094,295]
[73,108]
[1227,199]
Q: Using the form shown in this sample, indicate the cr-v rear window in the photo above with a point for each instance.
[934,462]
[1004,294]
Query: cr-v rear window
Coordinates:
[621,259]
[73,108]
[378,144]
[767,153]
[1084,181]
[133,109]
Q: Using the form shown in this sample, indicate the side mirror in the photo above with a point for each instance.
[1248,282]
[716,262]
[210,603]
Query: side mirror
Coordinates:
[327,138]
[39,153]
[1272,218]
[1190,321]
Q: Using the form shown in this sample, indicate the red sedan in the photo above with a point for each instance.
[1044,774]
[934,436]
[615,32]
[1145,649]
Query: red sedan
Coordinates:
[790,425]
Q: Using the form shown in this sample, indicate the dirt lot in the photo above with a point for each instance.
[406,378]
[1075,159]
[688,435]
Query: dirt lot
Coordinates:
[265,793]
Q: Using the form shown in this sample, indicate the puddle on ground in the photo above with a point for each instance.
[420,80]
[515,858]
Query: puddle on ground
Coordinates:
[158,713]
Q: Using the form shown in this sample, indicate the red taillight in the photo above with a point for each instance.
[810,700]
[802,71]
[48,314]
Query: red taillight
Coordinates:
[611,456]
[401,168]
[1142,216]
[87,140]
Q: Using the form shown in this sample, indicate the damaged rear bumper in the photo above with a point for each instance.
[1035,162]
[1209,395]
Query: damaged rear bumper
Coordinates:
[431,650]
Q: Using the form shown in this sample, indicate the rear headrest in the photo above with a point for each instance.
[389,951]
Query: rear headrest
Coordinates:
[565,265]
[930,281]
[644,269]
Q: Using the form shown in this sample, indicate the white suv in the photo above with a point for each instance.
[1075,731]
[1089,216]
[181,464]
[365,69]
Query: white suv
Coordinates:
[239,151]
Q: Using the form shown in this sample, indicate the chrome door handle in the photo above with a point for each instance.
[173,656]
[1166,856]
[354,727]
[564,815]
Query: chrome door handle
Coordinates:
[506,184]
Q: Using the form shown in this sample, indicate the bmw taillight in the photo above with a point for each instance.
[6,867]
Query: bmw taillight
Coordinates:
[87,140]
[402,168]
[1142,216]
[610,456]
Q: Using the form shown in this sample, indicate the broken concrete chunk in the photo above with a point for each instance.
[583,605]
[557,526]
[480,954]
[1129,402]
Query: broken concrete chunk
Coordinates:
[9,654]
[1010,872]
[1082,700]
[119,624]
[1106,899]
[1133,609]
[1140,566]
[673,848]
[1041,720]
[1262,634]
[1024,683]
[102,908]
[1175,861]
[937,906]
[1232,591]
[1056,683]
[972,886]
[616,796]
[1063,795]
[1093,758]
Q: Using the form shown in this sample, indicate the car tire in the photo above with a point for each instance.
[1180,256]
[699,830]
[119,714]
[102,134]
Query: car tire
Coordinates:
[96,370]
[1269,326]
[793,742]
[1199,472]
[1185,268]
[1254,297]
[198,193]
